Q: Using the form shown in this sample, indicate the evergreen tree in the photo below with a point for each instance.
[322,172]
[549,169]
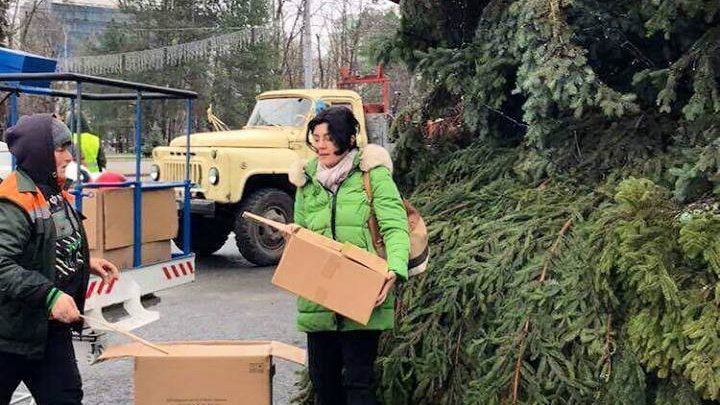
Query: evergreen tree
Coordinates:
[573,221]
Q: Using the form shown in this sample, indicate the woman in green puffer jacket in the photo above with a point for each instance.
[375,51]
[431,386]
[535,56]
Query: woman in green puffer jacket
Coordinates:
[331,200]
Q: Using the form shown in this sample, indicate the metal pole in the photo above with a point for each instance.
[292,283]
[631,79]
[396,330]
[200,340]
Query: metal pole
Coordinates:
[187,242]
[13,108]
[13,118]
[71,124]
[77,139]
[307,46]
[72,109]
[137,197]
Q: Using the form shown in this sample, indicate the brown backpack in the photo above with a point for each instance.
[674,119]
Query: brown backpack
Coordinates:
[419,251]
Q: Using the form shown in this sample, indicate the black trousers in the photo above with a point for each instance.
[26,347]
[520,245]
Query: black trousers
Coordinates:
[52,380]
[341,366]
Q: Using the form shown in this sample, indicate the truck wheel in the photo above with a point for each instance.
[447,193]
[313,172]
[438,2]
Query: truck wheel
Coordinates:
[207,235]
[262,245]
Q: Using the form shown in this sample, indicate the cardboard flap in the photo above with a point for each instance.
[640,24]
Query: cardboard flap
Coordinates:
[264,221]
[208,349]
[122,351]
[367,259]
[288,352]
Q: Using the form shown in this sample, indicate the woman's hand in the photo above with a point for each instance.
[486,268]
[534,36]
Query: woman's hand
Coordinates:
[389,283]
[104,269]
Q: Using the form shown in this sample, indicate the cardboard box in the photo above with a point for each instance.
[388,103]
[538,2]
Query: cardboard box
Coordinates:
[153,252]
[109,217]
[207,373]
[341,277]
[159,215]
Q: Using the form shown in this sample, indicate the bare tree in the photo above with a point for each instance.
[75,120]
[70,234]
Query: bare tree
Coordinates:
[27,21]
[320,62]
[289,63]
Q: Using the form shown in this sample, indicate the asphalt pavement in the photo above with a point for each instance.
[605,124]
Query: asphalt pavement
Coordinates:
[230,299]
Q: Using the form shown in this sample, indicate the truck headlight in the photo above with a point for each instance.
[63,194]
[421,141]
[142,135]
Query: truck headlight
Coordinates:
[155,172]
[214,176]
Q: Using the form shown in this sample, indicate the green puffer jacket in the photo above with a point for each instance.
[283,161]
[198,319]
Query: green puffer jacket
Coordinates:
[344,217]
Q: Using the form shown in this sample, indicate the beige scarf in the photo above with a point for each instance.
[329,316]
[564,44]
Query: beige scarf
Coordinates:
[331,177]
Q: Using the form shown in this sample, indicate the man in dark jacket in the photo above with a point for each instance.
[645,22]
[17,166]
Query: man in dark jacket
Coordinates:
[44,266]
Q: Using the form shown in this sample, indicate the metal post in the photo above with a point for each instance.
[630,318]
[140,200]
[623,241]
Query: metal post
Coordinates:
[186,195]
[13,118]
[72,109]
[77,140]
[137,197]
[73,129]
[13,108]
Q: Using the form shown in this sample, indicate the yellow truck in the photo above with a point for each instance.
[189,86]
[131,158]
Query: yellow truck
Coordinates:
[246,169]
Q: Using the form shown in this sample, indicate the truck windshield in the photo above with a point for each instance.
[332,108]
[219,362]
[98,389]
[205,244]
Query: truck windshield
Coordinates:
[280,112]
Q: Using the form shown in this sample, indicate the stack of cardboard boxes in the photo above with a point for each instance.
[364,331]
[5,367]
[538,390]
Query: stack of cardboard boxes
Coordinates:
[109,225]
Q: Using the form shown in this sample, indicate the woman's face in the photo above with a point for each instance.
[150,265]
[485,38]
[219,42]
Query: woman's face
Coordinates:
[326,148]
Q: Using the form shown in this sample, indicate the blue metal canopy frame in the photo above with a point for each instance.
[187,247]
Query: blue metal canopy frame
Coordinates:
[13,83]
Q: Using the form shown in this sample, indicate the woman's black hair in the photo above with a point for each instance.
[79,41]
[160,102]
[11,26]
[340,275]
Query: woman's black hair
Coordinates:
[342,126]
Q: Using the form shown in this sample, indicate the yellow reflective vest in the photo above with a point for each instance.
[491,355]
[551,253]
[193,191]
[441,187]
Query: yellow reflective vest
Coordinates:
[90,145]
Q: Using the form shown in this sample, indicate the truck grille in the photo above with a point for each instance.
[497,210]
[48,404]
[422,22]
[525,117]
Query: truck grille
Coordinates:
[175,171]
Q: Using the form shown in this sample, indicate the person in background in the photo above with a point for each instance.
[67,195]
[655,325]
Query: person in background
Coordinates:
[331,200]
[44,266]
[92,155]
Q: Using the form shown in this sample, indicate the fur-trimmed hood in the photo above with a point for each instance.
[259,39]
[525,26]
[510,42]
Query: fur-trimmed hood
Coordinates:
[371,156]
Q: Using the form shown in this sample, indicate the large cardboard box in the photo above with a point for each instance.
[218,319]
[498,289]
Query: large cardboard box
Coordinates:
[207,373]
[109,224]
[341,277]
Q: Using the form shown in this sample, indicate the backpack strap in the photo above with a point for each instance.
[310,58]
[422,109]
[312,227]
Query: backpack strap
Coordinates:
[377,239]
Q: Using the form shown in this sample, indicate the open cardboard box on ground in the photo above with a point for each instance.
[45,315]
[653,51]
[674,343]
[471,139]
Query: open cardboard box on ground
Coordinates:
[205,372]
[109,225]
[341,277]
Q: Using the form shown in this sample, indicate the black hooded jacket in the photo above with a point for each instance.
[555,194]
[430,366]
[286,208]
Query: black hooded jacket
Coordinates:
[29,243]
[31,142]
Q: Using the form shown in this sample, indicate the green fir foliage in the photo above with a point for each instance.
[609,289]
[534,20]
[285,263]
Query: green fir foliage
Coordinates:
[575,256]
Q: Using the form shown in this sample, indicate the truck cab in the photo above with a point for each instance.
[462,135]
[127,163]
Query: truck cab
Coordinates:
[246,170]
